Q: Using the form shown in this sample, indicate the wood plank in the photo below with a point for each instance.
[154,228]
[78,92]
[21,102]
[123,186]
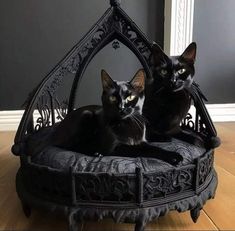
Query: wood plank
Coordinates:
[104,225]
[225,154]
[6,139]
[172,221]
[225,159]
[183,221]
[222,209]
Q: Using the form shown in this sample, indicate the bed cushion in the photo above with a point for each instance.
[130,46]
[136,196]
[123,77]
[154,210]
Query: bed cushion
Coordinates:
[59,158]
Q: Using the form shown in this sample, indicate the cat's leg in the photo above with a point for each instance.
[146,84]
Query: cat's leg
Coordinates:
[170,157]
[150,151]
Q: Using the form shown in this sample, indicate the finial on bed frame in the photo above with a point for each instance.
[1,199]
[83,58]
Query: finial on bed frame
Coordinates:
[115,3]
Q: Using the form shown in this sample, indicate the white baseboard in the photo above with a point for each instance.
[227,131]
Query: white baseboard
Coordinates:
[9,120]
[222,112]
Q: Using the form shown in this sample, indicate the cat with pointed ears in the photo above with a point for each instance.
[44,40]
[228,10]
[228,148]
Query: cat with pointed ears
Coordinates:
[168,97]
[115,128]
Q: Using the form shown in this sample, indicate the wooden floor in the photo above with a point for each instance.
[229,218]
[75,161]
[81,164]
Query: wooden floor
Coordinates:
[217,214]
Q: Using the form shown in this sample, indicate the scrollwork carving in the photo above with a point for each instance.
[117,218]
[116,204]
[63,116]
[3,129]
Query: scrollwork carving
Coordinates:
[205,168]
[50,110]
[188,122]
[160,185]
[44,109]
[134,36]
[61,109]
[194,124]
[104,187]
[202,127]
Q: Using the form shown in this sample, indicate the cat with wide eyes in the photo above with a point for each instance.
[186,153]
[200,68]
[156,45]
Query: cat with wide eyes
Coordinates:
[168,97]
[115,128]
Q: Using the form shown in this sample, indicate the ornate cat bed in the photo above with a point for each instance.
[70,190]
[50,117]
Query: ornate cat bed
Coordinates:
[84,187]
[126,189]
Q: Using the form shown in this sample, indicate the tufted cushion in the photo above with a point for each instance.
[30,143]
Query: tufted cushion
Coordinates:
[62,159]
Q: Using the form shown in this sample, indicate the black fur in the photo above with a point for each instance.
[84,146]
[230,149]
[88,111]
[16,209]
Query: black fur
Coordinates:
[116,128]
[168,99]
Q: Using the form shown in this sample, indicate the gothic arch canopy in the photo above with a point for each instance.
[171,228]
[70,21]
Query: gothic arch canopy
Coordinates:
[115,25]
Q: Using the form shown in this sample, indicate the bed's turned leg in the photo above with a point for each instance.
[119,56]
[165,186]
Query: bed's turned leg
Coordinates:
[139,226]
[26,209]
[195,213]
[72,222]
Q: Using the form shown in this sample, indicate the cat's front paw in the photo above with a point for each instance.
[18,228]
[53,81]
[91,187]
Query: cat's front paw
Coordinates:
[174,158]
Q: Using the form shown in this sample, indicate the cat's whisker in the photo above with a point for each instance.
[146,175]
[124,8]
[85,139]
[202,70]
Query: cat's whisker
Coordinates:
[140,124]
[141,117]
[133,119]
[136,122]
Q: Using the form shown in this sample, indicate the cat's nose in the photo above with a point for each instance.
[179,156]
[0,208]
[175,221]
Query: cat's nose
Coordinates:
[173,80]
[121,107]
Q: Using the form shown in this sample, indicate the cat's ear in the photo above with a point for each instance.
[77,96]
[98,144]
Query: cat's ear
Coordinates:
[158,53]
[138,81]
[107,81]
[190,53]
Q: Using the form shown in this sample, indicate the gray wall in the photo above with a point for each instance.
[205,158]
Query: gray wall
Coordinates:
[214,31]
[35,35]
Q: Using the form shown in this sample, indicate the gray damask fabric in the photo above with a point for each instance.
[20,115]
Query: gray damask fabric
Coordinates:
[62,159]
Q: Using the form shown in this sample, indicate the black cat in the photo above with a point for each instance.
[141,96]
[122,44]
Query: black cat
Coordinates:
[168,98]
[116,128]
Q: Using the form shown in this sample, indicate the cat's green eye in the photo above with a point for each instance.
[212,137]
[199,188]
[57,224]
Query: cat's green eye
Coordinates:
[163,72]
[130,97]
[112,98]
[181,71]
